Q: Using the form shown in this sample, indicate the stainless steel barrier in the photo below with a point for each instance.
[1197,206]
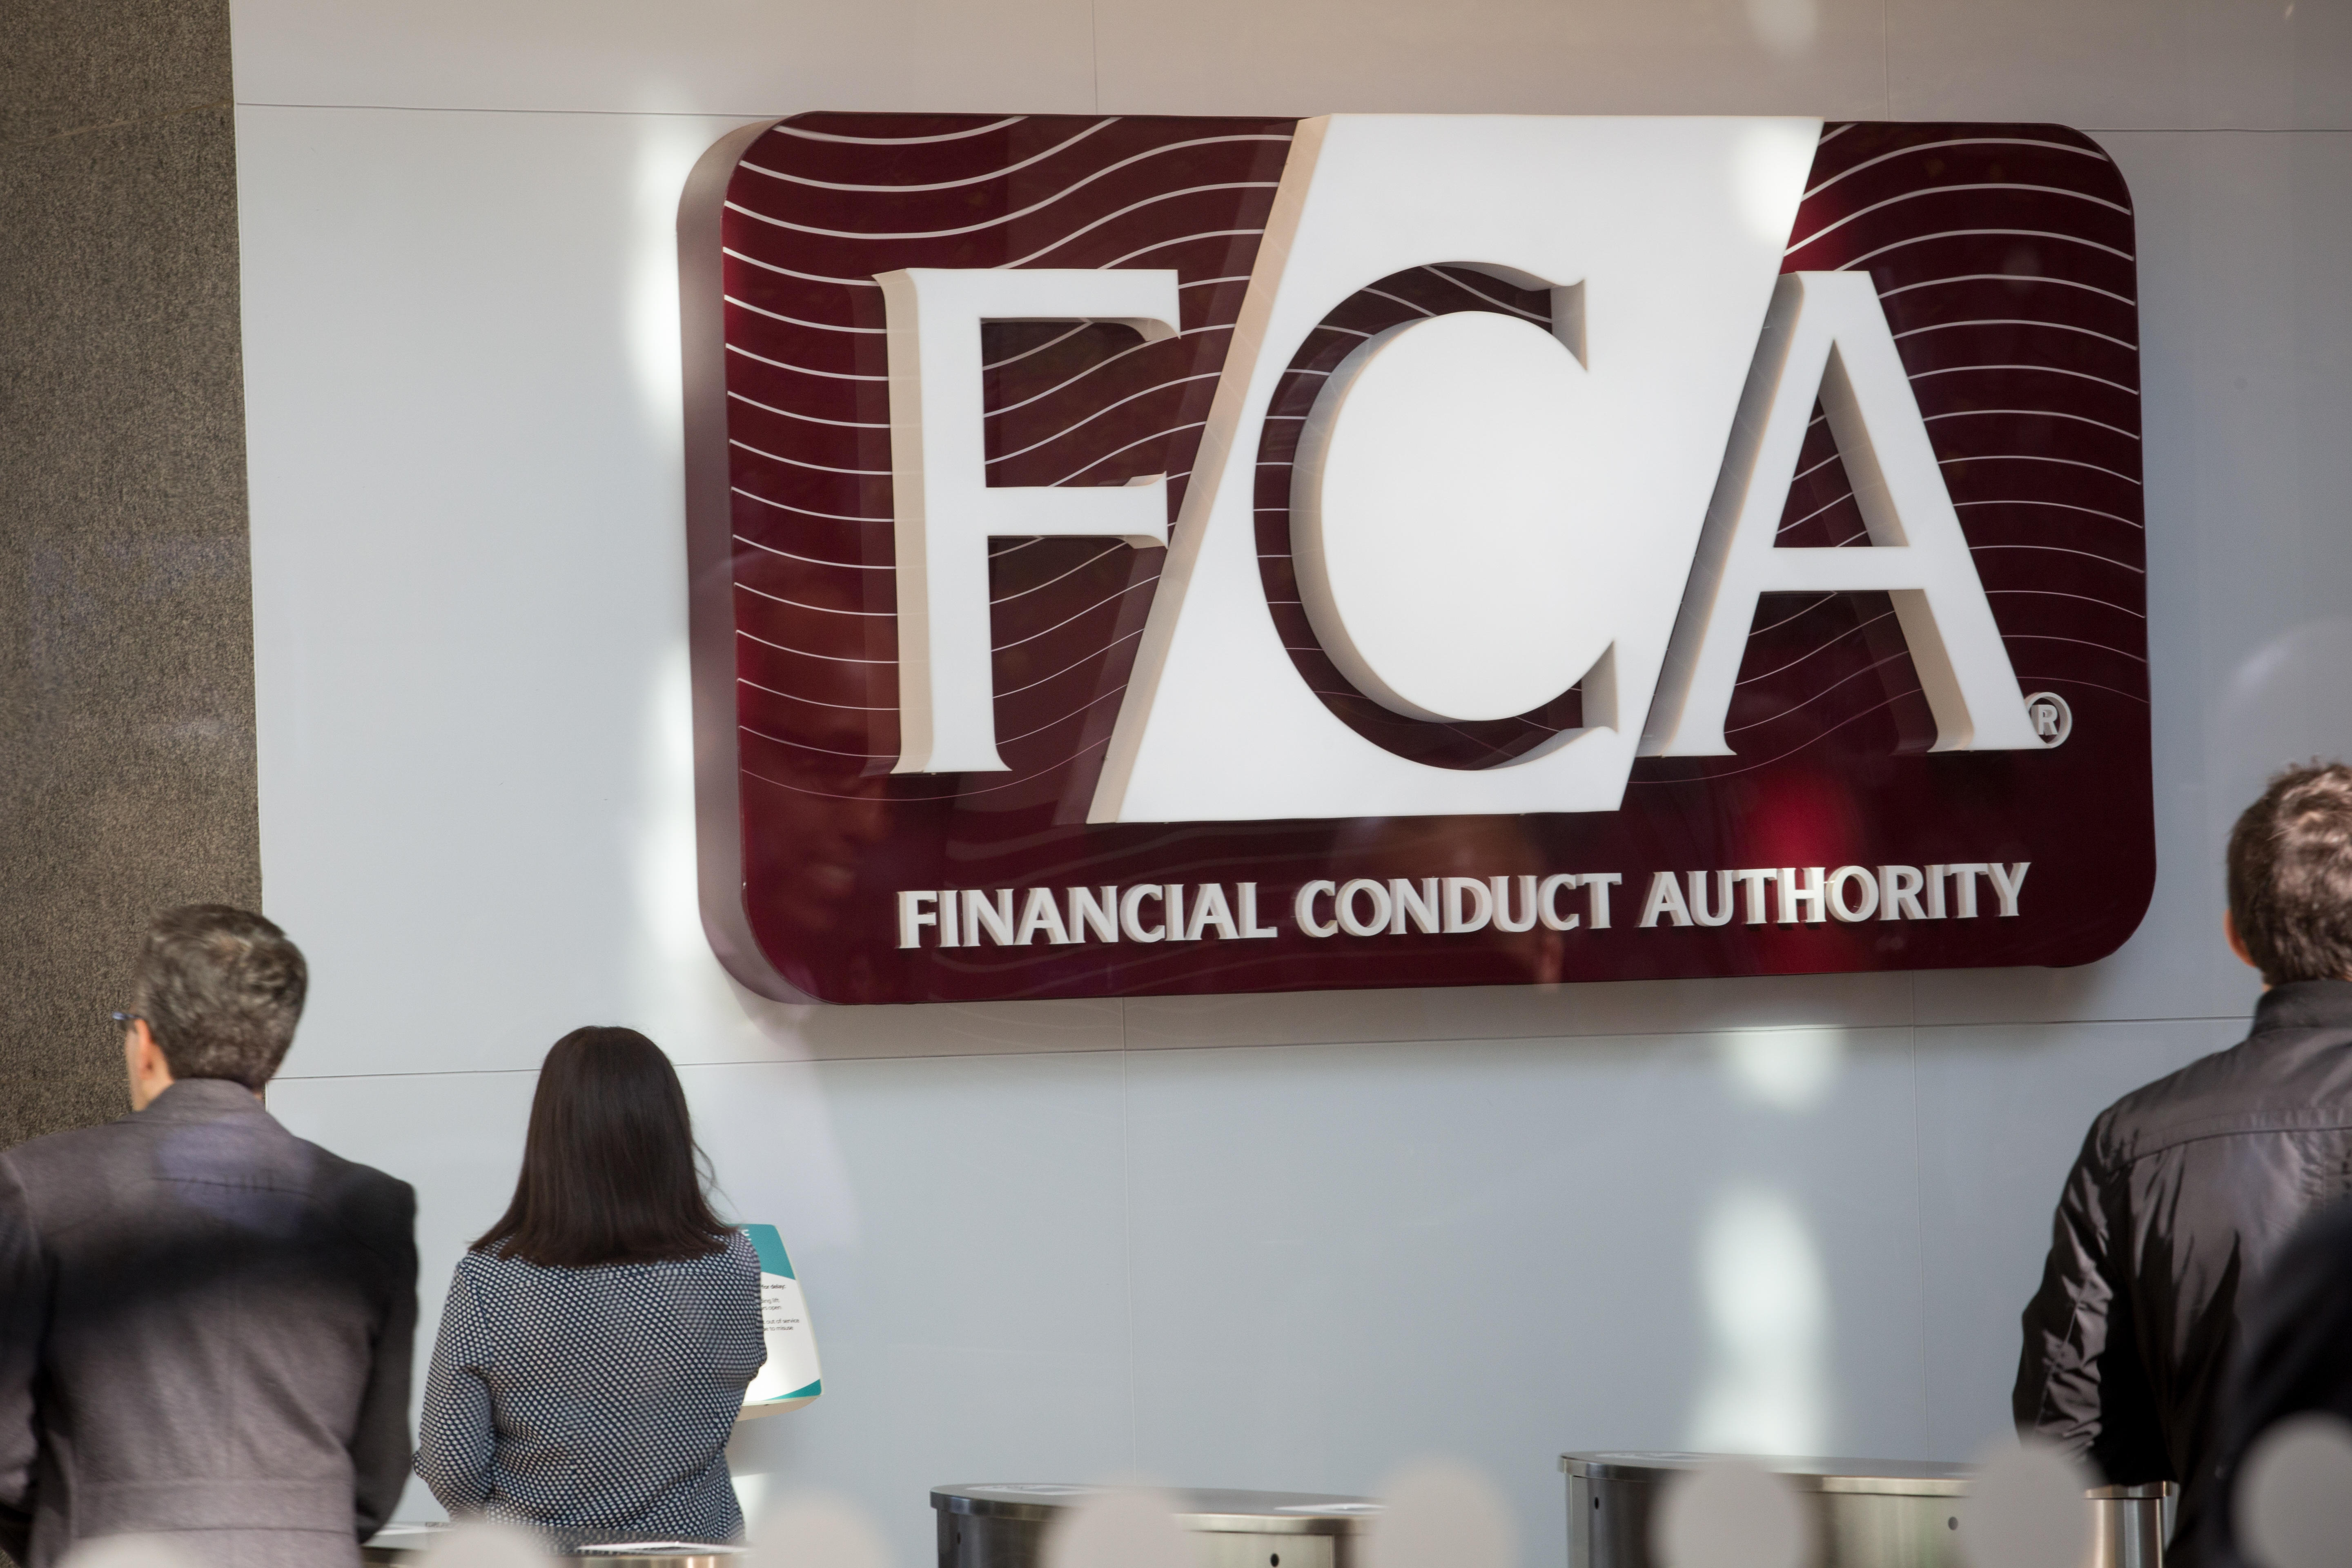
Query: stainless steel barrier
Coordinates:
[2129,1525]
[1867,1513]
[1004,1525]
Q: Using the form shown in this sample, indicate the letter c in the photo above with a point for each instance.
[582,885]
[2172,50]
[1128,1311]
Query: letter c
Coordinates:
[1130,903]
[1302,906]
[1548,907]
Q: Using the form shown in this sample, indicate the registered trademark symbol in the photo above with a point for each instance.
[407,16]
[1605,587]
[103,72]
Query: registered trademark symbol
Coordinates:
[2052,720]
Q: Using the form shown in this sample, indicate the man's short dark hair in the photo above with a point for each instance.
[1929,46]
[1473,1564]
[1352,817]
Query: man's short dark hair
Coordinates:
[221,989]
[2291,876]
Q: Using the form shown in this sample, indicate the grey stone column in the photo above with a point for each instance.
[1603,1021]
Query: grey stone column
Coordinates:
[126,611]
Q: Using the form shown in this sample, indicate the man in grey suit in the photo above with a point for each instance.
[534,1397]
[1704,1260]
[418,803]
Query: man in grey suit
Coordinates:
[205,1321]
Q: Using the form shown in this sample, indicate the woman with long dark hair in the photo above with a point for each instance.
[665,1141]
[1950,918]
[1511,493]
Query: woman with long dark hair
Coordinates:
[598,1338]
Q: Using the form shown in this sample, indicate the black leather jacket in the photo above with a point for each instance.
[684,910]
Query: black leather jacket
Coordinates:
[2297,1356]
[2183,1191]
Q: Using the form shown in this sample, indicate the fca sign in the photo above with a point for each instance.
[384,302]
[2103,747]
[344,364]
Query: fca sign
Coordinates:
[1485,513]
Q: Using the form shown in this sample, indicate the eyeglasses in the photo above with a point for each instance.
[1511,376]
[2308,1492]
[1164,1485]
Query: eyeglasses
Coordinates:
[127,1019]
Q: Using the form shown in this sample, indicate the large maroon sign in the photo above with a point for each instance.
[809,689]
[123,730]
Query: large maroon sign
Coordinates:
[1847,830]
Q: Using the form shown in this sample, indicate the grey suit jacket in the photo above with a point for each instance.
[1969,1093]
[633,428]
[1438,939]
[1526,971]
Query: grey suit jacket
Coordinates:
[204,1331]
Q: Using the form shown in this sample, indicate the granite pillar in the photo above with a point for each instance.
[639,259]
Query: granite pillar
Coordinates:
[126,645]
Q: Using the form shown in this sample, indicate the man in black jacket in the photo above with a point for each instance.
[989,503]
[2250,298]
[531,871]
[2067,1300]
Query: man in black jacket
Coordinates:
[2185,1189]
[2296,1358]
[205,1321]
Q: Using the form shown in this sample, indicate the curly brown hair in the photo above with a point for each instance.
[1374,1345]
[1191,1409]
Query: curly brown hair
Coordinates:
[221,989]
[2291,875]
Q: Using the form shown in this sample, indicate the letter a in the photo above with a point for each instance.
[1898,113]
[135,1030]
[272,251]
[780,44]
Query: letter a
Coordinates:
[1827,335]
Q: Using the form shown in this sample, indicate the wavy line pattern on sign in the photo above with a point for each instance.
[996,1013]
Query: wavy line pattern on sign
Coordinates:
[2003,260]
[815,211]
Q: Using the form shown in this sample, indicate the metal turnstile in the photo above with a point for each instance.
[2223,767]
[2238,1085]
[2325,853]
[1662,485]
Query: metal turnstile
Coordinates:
[1004,1525]
[1866,1513]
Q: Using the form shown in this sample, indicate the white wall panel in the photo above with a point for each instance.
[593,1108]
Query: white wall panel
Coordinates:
[2123,63]
[1521,1012]
[973,1236]
[1310,56]
[467,527]
[741,57]
[1347,1256]
[1277,1241]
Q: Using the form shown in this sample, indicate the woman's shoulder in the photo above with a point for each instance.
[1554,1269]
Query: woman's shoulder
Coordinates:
[731,1268]
[488,1266]
[738,1255]
[726,1272]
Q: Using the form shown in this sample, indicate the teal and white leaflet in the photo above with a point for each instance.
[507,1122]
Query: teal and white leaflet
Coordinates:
[792,1377]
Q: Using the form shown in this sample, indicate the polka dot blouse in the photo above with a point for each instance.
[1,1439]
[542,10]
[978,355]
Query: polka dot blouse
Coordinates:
[594,1404]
